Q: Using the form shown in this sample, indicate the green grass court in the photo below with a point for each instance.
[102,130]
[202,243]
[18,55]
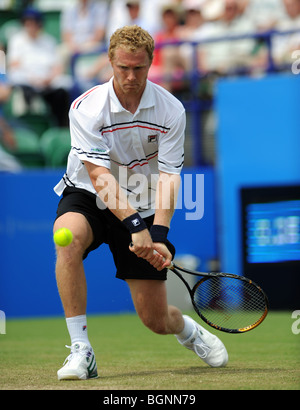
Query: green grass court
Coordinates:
[130,357]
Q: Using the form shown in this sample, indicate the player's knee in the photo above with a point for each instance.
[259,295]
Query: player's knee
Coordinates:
[72,254]
[82,238]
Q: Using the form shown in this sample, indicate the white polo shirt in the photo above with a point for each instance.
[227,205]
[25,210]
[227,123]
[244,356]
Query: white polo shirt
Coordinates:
[135,147]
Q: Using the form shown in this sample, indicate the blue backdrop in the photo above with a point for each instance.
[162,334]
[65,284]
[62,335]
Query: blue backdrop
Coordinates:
[27,278]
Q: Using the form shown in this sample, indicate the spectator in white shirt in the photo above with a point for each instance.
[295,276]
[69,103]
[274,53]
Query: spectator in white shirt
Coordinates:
[227,56]
[34,66]
[285,45]
[83,25]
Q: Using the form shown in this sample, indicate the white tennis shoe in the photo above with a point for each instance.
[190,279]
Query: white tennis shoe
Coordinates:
[80,364]
[206,345]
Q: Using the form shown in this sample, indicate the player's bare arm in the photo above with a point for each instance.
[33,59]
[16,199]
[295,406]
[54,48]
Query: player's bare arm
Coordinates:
[165,202]
[166,196]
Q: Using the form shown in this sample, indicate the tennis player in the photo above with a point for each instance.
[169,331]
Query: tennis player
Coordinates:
[126,130]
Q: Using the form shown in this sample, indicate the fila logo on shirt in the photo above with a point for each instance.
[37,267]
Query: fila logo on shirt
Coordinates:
[152,138]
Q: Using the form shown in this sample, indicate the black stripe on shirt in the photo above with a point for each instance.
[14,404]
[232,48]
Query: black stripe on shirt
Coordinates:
[67,179]
[134,160]
[174,166]
[133,122]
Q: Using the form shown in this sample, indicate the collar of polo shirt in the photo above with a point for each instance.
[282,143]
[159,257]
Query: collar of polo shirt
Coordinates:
[147,100]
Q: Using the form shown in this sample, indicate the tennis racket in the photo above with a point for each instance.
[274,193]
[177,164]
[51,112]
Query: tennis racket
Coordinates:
[229,303]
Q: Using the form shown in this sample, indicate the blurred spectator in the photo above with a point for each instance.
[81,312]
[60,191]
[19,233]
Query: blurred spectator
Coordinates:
[284,45]
[149,18]
[34,66]
[265,14]
[195,28]
[126,13]
[193,19]
[211,9]
[83,26]
[6,132]
[118,16]
[134,11]
[227,56]
[151,12]
[168,66]
[7,161]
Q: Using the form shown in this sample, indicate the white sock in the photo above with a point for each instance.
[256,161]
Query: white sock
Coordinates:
[77,327]
[187,330]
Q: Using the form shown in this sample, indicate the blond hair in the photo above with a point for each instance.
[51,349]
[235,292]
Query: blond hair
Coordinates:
[132,38]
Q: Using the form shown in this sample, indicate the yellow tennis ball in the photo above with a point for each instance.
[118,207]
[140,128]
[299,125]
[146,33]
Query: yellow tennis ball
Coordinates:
[63,237]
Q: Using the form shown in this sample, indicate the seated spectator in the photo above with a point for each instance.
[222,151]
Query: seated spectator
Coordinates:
[83,26]
[34,66]
[151,13]
[195,28]
[6,132]
[168,66]
[192,20]
[265,14]
[284,45]
[134,9]
[126,13]
[224,57]
[7,140]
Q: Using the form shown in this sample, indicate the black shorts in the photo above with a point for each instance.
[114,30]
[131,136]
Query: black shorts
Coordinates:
[107,228]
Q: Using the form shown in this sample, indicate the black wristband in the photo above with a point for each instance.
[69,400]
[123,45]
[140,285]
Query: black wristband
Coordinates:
[159,233]
[134,223]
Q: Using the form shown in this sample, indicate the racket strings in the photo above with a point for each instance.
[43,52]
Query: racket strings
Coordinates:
[230,303]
